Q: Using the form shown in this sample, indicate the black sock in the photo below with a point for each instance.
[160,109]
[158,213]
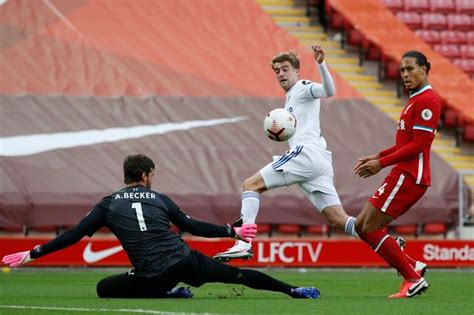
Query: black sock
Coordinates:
[260,281]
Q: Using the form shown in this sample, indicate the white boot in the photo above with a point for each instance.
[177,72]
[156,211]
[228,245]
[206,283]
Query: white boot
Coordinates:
[239,250]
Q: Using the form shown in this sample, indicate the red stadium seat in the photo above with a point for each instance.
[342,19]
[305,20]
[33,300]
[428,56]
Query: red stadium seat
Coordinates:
[323,230]
[43,229]
[417,5]
[466,65]
[372,52]
[412,19]
[13,229]
[453,37]
[392,70]
[467,51]
[391,67]
[435,21]
[459,22]
[442,6]
[448,51]
[430,36]
[463,121]
[435,228]
[465,6]
[354,37]
[289,229]
[337,21]
[264,228]
[450,118]
[468,134]
[410,229]
[394,5]
[470,37]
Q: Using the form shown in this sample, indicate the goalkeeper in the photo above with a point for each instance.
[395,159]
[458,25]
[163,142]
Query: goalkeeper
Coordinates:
[140,219]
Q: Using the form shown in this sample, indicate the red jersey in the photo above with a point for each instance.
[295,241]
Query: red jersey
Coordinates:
[415,134]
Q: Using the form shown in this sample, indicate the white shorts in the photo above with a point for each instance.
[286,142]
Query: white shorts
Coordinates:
[310,168]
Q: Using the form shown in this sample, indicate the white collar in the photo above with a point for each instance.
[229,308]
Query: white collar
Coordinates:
[426,87]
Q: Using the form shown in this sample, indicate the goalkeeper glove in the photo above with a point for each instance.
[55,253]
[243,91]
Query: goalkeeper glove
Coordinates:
[17,259]
[246,232]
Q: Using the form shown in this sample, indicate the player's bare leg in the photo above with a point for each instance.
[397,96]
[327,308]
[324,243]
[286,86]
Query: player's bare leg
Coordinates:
[252,188]
[339,220]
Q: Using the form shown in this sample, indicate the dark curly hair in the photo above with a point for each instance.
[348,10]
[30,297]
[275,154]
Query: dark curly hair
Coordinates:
[421,59]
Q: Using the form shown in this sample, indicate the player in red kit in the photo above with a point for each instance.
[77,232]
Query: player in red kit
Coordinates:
[409,179]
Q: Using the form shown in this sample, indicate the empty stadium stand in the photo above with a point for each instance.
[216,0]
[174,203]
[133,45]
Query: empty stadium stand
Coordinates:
[441,23]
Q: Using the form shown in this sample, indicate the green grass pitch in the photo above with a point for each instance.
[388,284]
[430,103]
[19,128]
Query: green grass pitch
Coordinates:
[356,291]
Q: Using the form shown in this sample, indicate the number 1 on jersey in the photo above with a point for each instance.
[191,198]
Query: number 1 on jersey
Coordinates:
[141,220]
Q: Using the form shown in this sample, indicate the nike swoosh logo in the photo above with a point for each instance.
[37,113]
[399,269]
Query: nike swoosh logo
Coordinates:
[37,143]
[411,290]
[91,256]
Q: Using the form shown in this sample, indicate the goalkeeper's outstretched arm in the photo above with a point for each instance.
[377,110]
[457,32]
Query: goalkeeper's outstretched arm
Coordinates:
[88,225]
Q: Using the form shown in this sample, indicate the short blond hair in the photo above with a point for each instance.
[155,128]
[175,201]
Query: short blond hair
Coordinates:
[289,56]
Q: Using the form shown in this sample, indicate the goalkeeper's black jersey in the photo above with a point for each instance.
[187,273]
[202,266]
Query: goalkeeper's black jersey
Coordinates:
[140,219]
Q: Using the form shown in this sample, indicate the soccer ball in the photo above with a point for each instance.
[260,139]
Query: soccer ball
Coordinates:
[279,124]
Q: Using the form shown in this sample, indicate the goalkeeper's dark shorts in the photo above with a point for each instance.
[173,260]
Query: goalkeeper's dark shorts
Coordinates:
[195,270]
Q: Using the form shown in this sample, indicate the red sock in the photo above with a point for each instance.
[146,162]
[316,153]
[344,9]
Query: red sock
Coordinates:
[410,260]
[386,247]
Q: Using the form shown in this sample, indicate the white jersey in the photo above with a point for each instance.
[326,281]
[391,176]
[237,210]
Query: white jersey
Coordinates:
[307,163]
[303,101]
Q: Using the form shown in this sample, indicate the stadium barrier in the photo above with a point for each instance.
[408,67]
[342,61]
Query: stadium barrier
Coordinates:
[268,253]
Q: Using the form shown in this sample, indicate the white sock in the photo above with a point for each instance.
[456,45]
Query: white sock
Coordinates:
[350,227]
[250,206]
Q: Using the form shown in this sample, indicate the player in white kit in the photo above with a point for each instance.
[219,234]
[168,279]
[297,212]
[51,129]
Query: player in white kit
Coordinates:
[307,163]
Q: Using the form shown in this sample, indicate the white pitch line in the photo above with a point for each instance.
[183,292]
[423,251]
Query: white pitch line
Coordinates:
[82,309]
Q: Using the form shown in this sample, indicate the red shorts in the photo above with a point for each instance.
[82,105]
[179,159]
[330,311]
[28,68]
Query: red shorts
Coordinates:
[397,194]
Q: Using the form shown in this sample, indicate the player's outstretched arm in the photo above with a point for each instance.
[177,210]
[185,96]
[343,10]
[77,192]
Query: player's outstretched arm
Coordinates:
[64,240]
[200,228]
[87,226]
[327,87]
[17,259]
